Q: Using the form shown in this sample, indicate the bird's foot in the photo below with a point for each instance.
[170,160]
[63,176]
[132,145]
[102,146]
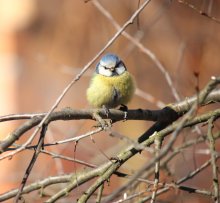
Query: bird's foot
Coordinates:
[106,110]
[104,124]
[124,108]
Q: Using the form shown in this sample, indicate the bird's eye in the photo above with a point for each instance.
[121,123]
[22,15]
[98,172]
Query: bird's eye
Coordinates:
[105,67]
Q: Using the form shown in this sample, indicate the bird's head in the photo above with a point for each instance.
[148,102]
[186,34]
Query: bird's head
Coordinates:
[110,65]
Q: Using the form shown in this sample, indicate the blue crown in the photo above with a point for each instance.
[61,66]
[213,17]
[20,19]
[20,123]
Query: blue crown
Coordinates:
[110,58]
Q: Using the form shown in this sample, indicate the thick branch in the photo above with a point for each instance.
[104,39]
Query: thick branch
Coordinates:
[116,115]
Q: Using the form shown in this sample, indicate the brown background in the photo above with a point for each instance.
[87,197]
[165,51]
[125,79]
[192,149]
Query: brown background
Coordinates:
[44,44]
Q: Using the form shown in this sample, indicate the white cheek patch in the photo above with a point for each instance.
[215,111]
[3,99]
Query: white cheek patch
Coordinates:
[105,72]
[120,69]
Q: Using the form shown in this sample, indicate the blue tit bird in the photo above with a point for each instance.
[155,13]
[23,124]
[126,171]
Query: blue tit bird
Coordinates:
[111,85]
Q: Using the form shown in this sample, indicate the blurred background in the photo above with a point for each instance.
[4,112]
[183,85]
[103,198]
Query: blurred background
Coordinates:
[45,44]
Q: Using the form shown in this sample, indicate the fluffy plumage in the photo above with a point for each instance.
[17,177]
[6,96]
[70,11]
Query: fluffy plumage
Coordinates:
[111,85]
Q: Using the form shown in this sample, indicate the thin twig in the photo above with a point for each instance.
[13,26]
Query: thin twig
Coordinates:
[32,162]
[213,160]
[99,195]
[20,116]
[158,143]
[78,138]
[199,11]
[59,156]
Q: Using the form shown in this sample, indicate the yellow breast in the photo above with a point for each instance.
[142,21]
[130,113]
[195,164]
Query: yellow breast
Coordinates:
[102,90]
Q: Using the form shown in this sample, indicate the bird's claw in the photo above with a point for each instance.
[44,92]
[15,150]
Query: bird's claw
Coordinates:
[104,124]
[106,110]
[124,108]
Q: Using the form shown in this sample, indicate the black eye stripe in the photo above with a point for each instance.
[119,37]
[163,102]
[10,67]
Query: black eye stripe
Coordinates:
[119,63]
